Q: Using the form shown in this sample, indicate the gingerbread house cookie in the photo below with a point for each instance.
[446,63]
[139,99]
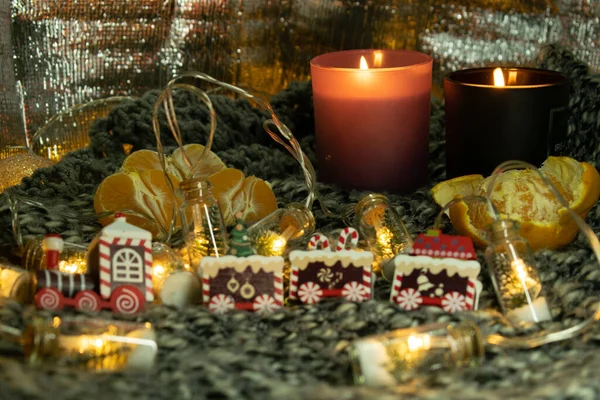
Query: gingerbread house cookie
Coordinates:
[316,274]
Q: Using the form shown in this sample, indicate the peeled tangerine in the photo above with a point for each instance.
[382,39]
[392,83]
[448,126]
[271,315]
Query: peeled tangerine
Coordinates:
[521,195]
[141,186]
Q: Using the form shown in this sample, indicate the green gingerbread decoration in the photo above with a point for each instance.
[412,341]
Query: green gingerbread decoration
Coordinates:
[240,244]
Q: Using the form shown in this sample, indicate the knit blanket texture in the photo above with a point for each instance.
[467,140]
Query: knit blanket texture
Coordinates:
[300,351]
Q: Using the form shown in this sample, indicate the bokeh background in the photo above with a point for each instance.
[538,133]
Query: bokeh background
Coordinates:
[57,54]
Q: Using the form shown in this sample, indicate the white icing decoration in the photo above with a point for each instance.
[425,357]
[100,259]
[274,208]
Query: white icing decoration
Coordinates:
[210,266]
[465,268]
[301,259]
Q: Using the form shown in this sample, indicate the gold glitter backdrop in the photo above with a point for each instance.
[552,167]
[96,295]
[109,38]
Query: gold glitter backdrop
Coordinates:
[56,54]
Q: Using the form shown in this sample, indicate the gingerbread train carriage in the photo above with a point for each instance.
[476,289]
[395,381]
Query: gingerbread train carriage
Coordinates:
[119,278]
[253,283]
[320,273]
[441,271]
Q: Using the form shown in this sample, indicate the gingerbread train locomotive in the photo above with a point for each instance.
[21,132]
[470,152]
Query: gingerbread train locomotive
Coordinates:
[440,271]
[119,274]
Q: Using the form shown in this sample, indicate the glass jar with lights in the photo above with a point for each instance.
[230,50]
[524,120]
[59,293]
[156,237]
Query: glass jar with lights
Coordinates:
[71,260]
[271,234]
[514,276]
[16,283]
[381,226]
[202,224]
[93,344]
[398,356]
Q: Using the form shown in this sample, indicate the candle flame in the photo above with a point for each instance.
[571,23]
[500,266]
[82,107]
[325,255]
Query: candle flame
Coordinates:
[498,77]
[363,63]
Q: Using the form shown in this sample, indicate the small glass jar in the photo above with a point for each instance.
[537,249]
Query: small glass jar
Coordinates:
[514,276]
[72,259]
[203,227]
[397,357]
[382,228]
[290,224]
[16,283]
[92,344]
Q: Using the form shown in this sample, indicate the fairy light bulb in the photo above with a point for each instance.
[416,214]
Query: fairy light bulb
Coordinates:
[271,235]
[516,281]
[203,226]
[92,344]
[398,356]
[382,228]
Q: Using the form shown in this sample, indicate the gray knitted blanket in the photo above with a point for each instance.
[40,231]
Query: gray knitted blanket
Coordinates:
[299,352]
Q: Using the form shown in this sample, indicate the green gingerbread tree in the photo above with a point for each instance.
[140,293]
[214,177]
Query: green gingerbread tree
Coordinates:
[240,244]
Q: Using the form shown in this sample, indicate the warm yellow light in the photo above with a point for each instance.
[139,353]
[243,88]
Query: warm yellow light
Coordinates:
[512,78]
[378,59]
[519,266]
[158,271]
[363,63]
[419,342]
[498,77]
[278,245]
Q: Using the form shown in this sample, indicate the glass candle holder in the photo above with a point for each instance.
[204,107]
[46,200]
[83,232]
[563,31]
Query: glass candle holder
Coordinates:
[203,226]
[290,224]
[399,356]
[488,123]
[515,279]
[382,228]
[372,118]
[92,344]
[16,283]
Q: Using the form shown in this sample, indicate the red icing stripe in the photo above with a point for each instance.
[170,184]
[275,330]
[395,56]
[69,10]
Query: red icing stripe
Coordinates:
[128,242]
[104,283]
[278,291]
[104,242]
[116,240]
[105,256]
[295,272]
[278,279]
[105,270]
[143,243]
[244,306]
[432,301]
[148,276]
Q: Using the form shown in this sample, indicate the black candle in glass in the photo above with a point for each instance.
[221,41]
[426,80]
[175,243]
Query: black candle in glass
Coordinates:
[494,115]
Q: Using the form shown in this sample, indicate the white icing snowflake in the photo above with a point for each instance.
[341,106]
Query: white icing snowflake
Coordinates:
[453,302]
[221,303]
[409,299]
[310,293]
[264,304]
[354,291]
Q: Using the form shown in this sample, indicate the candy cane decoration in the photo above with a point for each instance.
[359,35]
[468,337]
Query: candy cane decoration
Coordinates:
[318,239]
[348,237]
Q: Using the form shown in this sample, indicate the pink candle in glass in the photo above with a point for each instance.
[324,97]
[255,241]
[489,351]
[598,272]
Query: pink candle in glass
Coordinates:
[372,125]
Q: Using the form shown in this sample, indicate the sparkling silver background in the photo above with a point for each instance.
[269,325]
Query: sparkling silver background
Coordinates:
[55,54]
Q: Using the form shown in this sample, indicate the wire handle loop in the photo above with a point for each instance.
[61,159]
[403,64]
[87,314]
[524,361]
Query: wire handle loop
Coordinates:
[532,341]
[281,133]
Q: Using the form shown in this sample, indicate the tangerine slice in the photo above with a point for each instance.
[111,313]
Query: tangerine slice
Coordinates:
[118,192]
[211,163]
[259,199]
[144,160]
[157,196]
[225,185]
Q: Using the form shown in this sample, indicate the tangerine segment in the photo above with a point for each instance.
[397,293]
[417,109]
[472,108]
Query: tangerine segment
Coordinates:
[118,192]
[225,185]
[210,163]
[144,160]
[157,196]
[580,179]
[141,160]
[259,199]
[445,191]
